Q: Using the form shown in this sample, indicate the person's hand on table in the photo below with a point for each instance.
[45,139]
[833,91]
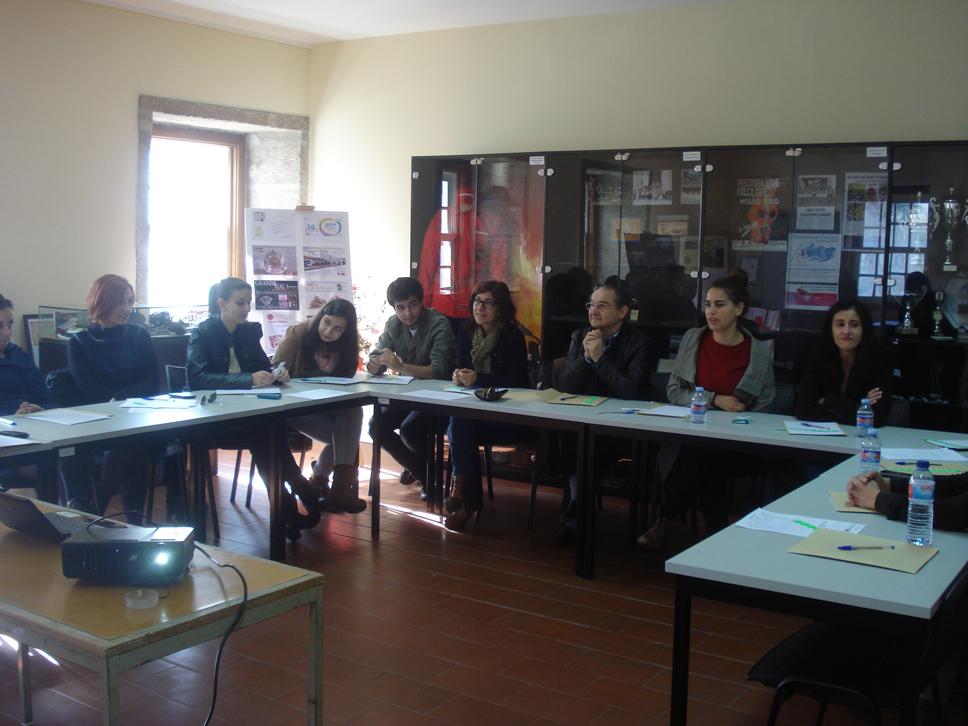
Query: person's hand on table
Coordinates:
[465,377]
[283,376]
[728,403]
[874,395]
[862,489]
[27,407]
[392,361]
[263,379]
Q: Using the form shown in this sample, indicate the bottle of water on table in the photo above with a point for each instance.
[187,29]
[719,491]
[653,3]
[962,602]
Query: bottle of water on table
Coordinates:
[920,517]
[865,417]
[870,452]
[698,406]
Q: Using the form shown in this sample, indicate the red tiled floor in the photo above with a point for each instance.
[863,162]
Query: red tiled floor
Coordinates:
[429,627]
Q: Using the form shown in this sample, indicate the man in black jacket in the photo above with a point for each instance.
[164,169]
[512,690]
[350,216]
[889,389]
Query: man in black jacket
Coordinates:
[608,358]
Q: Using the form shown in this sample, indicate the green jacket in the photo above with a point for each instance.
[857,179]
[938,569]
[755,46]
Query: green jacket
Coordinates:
[433,344]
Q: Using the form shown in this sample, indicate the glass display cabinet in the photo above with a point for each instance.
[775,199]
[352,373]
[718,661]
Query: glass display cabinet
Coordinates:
[806,225]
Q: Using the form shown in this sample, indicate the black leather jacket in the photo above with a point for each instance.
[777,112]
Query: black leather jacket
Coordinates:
[208,355]
[622,372]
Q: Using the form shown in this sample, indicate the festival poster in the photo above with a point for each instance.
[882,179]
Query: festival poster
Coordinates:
[763,211]
[690,186]
[276,294]
[651,187]
[813,271]
[816,200]
[275,260]
[865,204]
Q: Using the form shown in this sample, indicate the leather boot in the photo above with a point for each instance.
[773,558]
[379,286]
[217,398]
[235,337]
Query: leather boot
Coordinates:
[469,499]
[343,497]
[455,502]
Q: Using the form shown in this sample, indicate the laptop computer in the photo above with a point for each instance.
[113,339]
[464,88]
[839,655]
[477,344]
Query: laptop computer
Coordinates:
[23,515]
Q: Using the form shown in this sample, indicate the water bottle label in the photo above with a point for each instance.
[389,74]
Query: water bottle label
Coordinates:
[865,421]
[921,491]
[870,458]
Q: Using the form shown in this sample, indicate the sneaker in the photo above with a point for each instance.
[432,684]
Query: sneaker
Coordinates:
[655,537]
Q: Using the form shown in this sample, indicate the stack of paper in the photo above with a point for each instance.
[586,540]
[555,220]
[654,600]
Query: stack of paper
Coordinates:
[66,416]
[813,428]
[794,524]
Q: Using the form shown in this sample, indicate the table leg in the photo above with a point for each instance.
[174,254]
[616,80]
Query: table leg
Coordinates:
[47,479]
[200,470]
[585,501]
[440,491]
[680,653]
[278,447]
[314,709]
[23,675]
[110,694]
[375,474]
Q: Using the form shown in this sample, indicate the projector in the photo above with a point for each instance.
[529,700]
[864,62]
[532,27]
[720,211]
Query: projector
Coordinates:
[128,555]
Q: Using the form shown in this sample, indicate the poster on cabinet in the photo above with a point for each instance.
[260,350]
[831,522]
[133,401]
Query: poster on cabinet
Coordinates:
[813,271]
[865,204]
[816,199]
[296,260]
[762,213]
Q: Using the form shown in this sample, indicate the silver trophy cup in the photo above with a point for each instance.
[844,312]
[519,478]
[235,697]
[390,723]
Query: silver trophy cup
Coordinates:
[950,212]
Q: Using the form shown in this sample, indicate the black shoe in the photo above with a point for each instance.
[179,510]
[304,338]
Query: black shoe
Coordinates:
[564,538]
[407,478]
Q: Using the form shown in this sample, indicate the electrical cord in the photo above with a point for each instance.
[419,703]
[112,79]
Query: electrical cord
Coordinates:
[112,515]
[228,632]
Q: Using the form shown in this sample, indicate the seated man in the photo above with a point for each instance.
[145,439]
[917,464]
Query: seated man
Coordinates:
[22,388]
[612,358]
[418,342]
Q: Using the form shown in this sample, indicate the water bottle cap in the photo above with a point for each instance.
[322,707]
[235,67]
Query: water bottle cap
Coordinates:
[872,432]
[700,389]
[923,464]
[865,402]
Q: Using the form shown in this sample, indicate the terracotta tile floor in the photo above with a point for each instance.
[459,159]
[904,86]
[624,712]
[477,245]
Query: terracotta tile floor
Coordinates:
[427,626]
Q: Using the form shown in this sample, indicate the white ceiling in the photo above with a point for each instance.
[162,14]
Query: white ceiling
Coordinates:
[304,22]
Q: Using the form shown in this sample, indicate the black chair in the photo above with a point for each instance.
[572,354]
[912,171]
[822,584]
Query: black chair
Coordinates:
[863,668]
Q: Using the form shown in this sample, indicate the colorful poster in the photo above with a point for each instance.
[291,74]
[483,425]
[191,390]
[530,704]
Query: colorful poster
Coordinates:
[316,294]
[813,271]
[816,199]
[274,327]
[865,204]
[690,189]
[762,219]
[275,260]
[651,187]
[276,294]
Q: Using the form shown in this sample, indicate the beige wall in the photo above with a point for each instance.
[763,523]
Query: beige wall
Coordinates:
[743,72]
[70,76]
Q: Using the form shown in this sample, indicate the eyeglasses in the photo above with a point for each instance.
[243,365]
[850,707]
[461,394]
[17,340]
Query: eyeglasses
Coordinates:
[600,307]
[486,304]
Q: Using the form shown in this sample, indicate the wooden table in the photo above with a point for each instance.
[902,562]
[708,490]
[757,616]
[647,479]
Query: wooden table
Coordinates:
[89,625]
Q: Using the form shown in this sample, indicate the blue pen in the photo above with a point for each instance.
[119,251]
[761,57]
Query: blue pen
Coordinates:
[851,548]
[908,463]
[8,422]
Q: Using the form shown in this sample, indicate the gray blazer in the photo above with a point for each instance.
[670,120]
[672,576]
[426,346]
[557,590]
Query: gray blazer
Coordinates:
[756,389]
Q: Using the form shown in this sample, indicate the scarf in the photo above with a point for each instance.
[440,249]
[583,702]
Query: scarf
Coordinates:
[482,346]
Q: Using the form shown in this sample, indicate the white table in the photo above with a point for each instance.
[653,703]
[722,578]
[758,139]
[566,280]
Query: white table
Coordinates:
[754,568]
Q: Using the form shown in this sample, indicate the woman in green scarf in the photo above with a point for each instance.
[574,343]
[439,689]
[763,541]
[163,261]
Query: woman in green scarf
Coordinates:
[490,352]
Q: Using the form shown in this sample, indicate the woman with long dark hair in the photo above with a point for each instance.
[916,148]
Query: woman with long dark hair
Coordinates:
[328,345]
[490,352]
[847,365]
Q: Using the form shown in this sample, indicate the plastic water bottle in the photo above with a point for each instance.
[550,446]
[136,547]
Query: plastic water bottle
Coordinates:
[698,406]
[920,517]
[870,452]
[865,417]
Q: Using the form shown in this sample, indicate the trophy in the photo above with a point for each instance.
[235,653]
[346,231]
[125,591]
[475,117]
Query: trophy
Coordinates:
[951,212]
[907,322]
[937,315]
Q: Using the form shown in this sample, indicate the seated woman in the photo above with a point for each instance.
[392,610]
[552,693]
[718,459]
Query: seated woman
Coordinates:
[111,360]
[225,352]
[22,389]
[871,490]
[329,345]
[846,366]
[490,352]
[736,371]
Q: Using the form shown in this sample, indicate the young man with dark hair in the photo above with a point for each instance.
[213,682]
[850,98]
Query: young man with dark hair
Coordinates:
[609,358]
[418,342]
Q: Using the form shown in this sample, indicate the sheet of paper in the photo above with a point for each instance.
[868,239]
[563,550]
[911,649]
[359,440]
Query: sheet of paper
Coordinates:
[461,389]
[316,395]
[388,380]
[839,500]
[438,395]
[897,555]
[551,395]
[8,441]
[67,416]
[950,443]
[793,524]
[159,403]
[914,455]
[333,380]
[666,410]
[813,428]
[246,391]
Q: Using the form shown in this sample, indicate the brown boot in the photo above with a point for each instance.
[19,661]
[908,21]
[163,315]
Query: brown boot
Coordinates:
[462,484]
[343,497]
[469,497]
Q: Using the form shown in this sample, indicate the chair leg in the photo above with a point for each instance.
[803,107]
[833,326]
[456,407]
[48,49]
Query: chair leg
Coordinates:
[235,476]
[535,475]
[821,713]
[302,458]
[150,499]
[210,494]
[248,491]
[487,471]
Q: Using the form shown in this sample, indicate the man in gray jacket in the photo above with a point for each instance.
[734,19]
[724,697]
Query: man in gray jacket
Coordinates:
[418,342]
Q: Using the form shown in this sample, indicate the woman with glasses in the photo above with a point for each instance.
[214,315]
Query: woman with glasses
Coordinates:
[736,372]
[491,352]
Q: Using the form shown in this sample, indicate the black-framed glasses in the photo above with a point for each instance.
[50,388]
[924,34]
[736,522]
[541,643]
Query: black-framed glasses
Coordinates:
[481,302]
[601,306]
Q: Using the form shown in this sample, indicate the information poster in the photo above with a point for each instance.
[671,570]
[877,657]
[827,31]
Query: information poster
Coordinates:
[865,204]
[297,261]
[650,187]
[762,213]
[816,199]
[813,271]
